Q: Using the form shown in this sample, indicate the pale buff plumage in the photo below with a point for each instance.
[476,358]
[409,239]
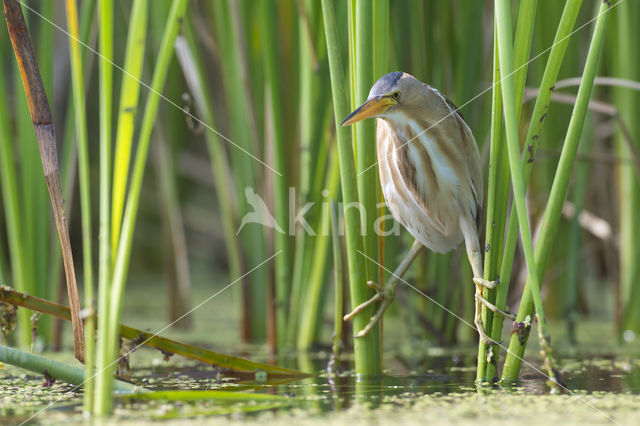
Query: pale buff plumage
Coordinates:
[430,169]
[430,173]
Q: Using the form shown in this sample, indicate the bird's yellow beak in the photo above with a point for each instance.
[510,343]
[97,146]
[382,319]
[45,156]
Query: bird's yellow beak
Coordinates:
[371,108]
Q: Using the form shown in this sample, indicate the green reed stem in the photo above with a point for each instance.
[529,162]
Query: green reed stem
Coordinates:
[116,294]
[505,52]
[30,186]
[66,373]
[9,295]
[522,47]
[582,175]
[367,349]
[194,71]
[127,113]
[12,213]
[553,210]
[497,196]
[280,191]
[627,65]
[314,110]
[367,176]
[246,174]
[77,80]
[338,265]
[311,314]
[104,376]
[549,77]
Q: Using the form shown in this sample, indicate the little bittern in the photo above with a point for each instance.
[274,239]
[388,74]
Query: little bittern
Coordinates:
[431,179]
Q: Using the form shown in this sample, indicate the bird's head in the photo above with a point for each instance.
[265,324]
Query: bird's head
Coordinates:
[392,92]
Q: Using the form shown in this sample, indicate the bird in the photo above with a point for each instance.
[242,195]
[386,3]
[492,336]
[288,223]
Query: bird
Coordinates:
[431,179]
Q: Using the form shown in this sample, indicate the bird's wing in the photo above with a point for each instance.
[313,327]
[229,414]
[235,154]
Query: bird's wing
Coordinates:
[417,183]
[472,153]
[455,126]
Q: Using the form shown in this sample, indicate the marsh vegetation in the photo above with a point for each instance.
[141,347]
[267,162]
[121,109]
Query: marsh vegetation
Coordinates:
[211,197]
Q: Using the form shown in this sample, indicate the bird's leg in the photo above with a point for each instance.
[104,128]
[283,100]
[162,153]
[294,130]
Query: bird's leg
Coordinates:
[494,308]
[477,317]
[476,263]
[386,293]
[472,243]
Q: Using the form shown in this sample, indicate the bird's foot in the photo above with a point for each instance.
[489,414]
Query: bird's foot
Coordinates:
[485,283]
[481,282]
[480,300]
[385,295]
[505,313]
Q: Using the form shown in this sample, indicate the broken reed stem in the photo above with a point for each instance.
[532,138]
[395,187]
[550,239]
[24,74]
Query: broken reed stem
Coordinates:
[53,369]
[45,134]
[140,337]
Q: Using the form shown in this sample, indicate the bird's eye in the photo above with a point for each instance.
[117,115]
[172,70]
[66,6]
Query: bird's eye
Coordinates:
[396,95]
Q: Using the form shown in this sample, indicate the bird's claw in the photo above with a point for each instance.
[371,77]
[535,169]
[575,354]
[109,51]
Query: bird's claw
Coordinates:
[384,294]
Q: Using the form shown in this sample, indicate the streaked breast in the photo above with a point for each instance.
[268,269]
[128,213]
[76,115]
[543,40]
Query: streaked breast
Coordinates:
[421,181]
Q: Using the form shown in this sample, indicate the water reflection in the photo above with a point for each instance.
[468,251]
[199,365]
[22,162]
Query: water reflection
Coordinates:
[412,376]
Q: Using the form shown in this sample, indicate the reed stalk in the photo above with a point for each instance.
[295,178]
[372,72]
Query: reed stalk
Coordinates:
[282,240]
[57,370]
[367,176]
[77,81]
[69,162]
[541,106]
[311,314]
[127,113]
[12,214]
[143,338]
[109,348]
[246,176]
[497,196]
[194,71]
[553,210]
[45,240]
[626,64]
[338,278]
[578,198]
[367,349]
[32,196]
[499,192]
[313,114]
[506,58]
[104,357]
[43,125]
[549,77]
